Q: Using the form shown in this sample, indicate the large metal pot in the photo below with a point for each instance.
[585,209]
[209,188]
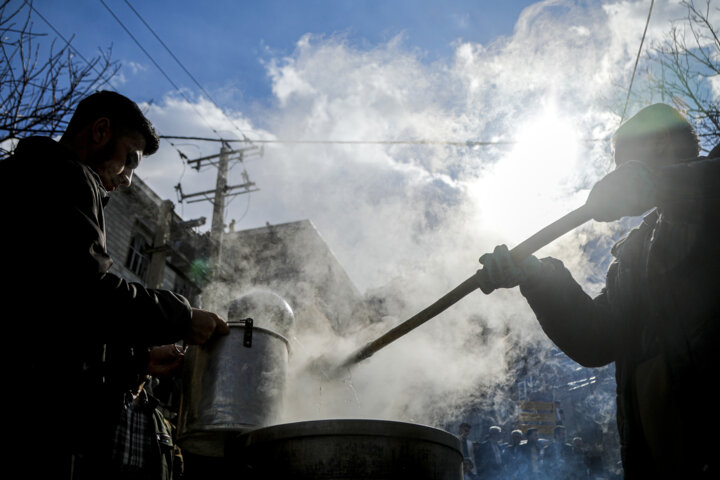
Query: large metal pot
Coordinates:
[232,384]
[346,449]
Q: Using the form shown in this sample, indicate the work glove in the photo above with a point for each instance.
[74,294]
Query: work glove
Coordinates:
[203,325]
[627,191]
[500,270]
[164,360]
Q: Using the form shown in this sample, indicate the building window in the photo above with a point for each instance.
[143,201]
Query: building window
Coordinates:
[138,259]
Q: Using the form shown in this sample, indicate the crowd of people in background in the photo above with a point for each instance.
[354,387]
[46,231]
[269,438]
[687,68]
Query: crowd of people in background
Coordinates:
[526,456]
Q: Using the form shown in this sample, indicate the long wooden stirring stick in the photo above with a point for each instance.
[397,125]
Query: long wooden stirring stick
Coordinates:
[553,231]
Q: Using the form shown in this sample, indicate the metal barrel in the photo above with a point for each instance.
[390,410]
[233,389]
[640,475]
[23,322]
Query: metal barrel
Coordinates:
[346,448]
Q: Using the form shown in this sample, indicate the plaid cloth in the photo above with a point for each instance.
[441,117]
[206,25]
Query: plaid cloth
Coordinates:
[134,442]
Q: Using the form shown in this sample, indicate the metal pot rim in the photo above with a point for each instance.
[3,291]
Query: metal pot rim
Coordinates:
[348,428]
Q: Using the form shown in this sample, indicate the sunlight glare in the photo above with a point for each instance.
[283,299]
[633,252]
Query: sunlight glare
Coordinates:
[536,182]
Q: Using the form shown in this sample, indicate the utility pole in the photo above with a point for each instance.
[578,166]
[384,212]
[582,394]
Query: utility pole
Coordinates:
[158,254]
[218,219]
[220,193]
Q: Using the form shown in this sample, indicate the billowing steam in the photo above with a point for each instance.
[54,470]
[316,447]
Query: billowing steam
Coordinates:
[408,221]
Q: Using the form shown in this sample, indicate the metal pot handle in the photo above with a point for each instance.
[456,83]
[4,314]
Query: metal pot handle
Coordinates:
[247,324]
[247,334]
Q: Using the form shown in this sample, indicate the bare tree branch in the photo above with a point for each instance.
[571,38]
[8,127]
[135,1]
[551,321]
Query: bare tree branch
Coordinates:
[688,62]
[40,85]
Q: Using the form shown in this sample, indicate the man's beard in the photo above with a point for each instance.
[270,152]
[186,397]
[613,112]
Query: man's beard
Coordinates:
[98,158]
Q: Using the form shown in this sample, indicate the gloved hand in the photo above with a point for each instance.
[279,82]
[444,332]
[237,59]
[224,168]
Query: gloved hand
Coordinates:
[501,271]
[627,191]
[164,360]
[203,325]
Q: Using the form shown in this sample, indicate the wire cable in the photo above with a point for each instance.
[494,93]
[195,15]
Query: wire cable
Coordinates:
[140,45]
[177,60]
[92,65]
[67,42]
[182,156]
[348,142]
[158,66]
[637,59]
[468,143]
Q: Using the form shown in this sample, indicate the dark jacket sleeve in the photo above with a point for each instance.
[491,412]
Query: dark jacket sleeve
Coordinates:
[587,329]
[108,308]
[142,316]
[580,326]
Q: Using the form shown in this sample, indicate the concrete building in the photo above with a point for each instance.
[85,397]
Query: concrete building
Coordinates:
[151,244]
[294,261]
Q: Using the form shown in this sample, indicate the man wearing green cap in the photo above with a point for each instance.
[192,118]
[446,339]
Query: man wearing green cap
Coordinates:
[658,316]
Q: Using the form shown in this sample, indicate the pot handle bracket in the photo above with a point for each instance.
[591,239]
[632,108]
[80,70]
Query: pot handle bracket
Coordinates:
[247,334]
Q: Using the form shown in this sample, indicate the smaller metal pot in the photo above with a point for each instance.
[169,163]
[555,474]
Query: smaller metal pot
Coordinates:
[232,384]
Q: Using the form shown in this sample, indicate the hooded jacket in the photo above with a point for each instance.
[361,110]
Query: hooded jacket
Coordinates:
[658,319]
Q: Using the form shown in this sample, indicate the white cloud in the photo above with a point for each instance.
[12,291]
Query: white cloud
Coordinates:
[384,208]
[134,67]
[127,71]
[425,213]
[715,84]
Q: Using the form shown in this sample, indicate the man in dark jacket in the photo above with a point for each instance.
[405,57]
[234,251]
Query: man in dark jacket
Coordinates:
[658,316]
[68,308]
[528,460]
[490,455]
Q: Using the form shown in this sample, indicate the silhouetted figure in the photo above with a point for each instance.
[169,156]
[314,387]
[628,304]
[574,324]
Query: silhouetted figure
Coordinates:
[511,454]
[578,461]
[658,316]
[557,455]
[490,455]
[529,456]
[69,308]
[467,446]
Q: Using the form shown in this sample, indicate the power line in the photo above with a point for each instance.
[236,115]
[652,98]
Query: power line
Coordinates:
[637,59]
[166,138]
[219,211]
[157,65]
[106,81]
[468,143]
[346,142]
[183,157]
[177,60]
[67,42]
[140,45]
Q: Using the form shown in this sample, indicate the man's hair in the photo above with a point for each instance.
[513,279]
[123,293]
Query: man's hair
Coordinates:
[559,429]
[530,431]
[648,127]
[124,114]
[465,425]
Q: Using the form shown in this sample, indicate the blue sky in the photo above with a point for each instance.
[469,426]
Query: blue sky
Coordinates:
[224,44]
[547,76]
